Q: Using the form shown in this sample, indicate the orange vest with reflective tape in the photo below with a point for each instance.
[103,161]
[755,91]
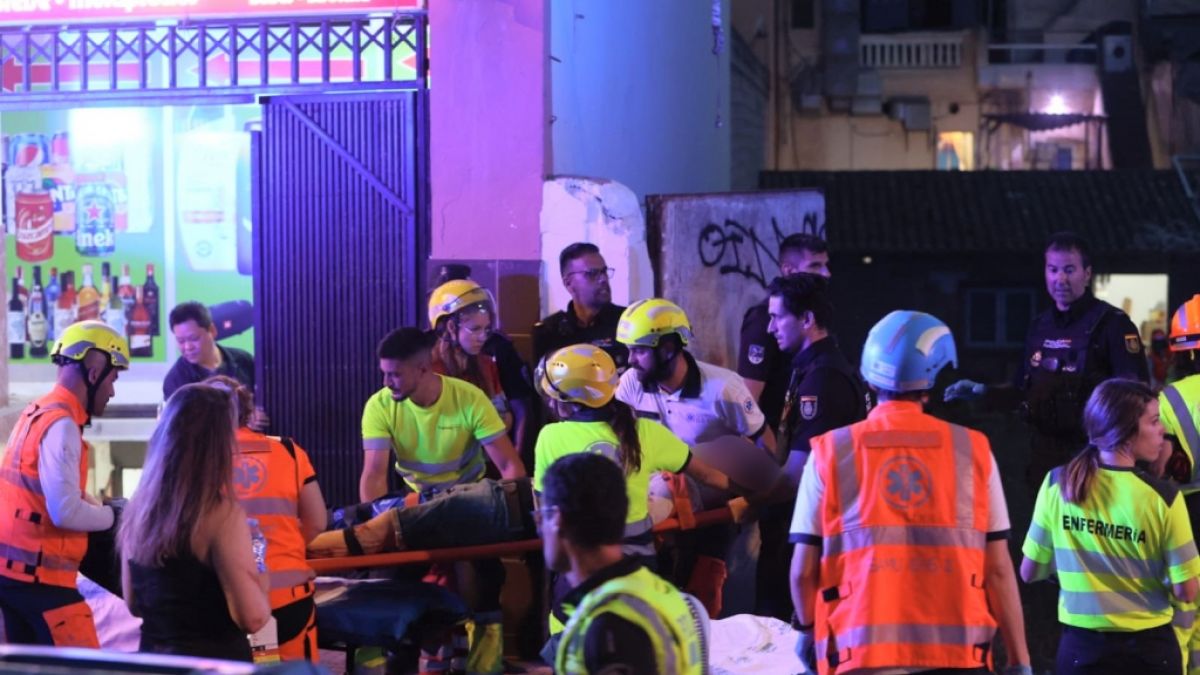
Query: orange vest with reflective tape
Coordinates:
[266,476]
[904,522]
[32,548]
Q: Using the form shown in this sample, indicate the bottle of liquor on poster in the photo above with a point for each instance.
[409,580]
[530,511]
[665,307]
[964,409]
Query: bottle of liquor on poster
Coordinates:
[114,312]
[95,224]
[105,275]
[22,292]
[36,324]
[16,324]
[52,293]
[125,290]
[64,311]
[141,343]
[150,296]
[89,297]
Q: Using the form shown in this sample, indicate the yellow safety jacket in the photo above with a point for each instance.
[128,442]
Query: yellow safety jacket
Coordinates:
[647,601]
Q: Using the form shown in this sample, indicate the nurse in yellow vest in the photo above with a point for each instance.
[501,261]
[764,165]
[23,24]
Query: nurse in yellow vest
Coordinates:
[626,618]
[1118,539]
[46,510]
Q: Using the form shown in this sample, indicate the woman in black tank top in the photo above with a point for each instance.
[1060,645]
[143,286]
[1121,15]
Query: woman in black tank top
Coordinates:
[187,566]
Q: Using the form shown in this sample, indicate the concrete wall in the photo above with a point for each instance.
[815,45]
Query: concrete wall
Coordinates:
[638,96]
[487,126]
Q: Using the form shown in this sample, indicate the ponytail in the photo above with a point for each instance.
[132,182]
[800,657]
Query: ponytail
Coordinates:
[624,425]
[1079,474]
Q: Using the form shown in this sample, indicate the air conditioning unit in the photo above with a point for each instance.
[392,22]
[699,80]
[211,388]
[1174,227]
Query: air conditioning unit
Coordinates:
[1117,56]
[916,114]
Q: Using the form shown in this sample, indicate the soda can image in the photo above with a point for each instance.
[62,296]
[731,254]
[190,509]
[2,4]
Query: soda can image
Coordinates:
[35,226]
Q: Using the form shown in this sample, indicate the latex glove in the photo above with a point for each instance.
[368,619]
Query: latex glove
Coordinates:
[806,650]
[1017,670]
[965,390]
[743,512]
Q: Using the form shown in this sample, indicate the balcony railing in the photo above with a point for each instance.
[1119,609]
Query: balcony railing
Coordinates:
[911,52]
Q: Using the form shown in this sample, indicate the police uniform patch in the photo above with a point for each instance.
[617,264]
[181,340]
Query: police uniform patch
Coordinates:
[808,407]
[756,354]
[1036,359]
[1133,343]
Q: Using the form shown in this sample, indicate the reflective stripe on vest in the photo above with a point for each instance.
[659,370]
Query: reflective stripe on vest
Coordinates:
[862,636]
[472,476]
[15,478]
[902,535]
[35,559]
[1101,603]
[1083,561]
[289,578]
[434,468]
[1187,427]
[269,506]
[1183,618]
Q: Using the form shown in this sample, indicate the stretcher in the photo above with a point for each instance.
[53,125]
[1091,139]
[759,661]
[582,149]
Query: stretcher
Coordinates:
[508,548]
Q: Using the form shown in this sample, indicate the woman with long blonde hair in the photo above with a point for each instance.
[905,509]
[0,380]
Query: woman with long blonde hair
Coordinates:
[187,567]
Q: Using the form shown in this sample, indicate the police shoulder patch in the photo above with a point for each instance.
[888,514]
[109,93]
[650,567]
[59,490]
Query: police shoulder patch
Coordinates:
[756,354]
[1133,343]
[808,407]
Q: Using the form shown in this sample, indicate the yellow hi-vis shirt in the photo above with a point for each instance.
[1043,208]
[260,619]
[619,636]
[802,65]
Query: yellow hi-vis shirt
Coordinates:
[1179,410]
[661,451]
[1117,553]
[439,446]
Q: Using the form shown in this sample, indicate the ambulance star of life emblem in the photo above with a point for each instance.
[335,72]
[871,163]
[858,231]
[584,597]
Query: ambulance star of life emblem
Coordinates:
[808,407]
[907,482]
[249,475]
[756,354]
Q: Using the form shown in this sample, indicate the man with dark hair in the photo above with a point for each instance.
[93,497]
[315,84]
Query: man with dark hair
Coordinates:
[200,357]
[760,362]
[623,618]
[823,393]
[590,316]
[1071,348]
[437,429]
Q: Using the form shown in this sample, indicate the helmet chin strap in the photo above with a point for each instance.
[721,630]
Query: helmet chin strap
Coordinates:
[93,388]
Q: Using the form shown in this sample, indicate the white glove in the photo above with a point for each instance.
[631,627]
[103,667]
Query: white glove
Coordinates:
[966,390]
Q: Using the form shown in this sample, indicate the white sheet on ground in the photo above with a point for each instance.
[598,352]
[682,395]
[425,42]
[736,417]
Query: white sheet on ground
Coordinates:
[118,630]
[752,644]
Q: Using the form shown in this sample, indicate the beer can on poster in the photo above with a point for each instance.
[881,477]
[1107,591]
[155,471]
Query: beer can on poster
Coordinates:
[95,212]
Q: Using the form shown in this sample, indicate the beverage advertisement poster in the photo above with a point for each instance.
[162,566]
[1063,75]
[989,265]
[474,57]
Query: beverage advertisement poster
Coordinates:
[118,214]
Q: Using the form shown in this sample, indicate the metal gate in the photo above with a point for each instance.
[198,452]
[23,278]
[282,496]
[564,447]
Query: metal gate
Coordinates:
[340,204]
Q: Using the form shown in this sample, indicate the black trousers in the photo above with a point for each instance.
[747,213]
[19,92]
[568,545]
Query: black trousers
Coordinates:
[1154,651]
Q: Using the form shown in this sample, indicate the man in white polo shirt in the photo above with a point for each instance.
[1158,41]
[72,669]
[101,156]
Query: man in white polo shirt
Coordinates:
[698,402]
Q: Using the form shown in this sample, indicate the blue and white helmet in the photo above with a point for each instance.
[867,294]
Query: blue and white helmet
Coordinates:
[906,350]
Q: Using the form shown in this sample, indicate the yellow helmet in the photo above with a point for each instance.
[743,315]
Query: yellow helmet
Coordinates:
[455,296]
[580,373]
[82,336]
[645,321]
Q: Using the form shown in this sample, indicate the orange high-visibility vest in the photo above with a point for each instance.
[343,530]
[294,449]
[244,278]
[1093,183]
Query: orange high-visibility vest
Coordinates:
[268,478]
[904,524]
[33,549]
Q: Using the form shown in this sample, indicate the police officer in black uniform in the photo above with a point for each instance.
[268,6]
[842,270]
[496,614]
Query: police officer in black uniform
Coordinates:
[591,316]
[760,363]
[824,392]
[1071,348]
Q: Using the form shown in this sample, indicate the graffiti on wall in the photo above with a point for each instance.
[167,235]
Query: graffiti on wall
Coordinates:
[717,253]
[734,248]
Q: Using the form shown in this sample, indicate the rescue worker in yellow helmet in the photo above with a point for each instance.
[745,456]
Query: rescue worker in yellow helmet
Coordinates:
[1179,410]
[579,382]
[626,618]
[462,315]
[699,402]
[46,511]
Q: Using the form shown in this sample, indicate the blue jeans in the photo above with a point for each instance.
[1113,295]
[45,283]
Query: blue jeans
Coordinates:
[468,515]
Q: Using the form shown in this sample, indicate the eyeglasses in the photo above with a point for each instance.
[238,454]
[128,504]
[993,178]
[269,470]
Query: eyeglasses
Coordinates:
[595,274]
[541,513]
